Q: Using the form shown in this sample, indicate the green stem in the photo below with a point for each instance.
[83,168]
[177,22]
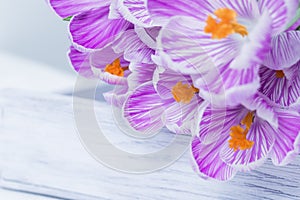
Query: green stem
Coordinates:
[297,17]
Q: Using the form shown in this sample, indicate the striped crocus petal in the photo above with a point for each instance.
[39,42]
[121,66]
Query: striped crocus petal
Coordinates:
[67,8]
[81,62]
[263,136]
[136,12]
[148,35]
[141,73]
[99,59]
[287,138]
[144,109]
[207,161]
[285,89]
[216,122]
[134,49]
[93,30]
[117,96]
[165,79]
[228,86]
[263,107]
[180,117]
[179,44]
[161,11]
[284,51]
[280,12]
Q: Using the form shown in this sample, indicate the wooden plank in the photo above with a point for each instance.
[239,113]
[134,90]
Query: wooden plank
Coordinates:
[40,152]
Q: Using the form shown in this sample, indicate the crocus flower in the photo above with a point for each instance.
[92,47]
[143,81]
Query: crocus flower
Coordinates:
[172,102]
[111,64]
[240,138]
[280,74]
[231,37]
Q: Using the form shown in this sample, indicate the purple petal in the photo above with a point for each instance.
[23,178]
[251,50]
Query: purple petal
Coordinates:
[284,91]
[148,35]
[287,143]
[284,51]
[136,12]
[262,133]
[179,44]
[117,96]
[207,161]
[216,122]
[278,10]
[81,62]
[100,58]
[180,117]
[165,79]
[134,49]
[93,30]
[144,109]
[67,8]
[263,107]
[161,10]
[141,73]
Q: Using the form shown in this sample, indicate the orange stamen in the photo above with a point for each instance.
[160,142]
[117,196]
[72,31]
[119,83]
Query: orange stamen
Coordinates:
[115,68]
[238,134]
[224,25]
[184,92]
[280,74]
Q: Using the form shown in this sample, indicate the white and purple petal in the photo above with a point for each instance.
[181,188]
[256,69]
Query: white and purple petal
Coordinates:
[180,117]
[144,109]
[161,11]
[263,135]
[136,11]
[94,30]
[278,10]
[263,107]
[207,161]
[284,51]
[287,143]
[99,59]
[81,62]
[165,79]
[141,73]
[134,49]
[67,8]
[216,122]
[282,90]
[117,96]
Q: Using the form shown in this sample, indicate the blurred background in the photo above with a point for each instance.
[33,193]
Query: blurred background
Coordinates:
[29,29]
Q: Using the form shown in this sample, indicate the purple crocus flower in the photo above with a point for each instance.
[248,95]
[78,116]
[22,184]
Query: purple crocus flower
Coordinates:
[111,64]
[172,102]
[223,40]
[240,138]
[280,75]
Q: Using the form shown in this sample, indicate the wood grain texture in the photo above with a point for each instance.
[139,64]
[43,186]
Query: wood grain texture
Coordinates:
[40,152]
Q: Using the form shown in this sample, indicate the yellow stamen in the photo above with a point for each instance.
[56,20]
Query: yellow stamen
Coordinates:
[183,92]
[238,134]
[115,68]
[280,74]
[224,25]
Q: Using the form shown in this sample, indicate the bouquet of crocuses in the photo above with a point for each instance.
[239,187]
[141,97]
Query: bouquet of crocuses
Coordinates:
[226,72]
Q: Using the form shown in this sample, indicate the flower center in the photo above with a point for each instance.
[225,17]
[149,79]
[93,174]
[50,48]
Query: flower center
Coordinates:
[279,74]
[238,134]
[115,68]
[224,25]
[183,92]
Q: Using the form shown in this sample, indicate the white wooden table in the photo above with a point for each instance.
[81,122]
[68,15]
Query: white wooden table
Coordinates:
[40,153]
